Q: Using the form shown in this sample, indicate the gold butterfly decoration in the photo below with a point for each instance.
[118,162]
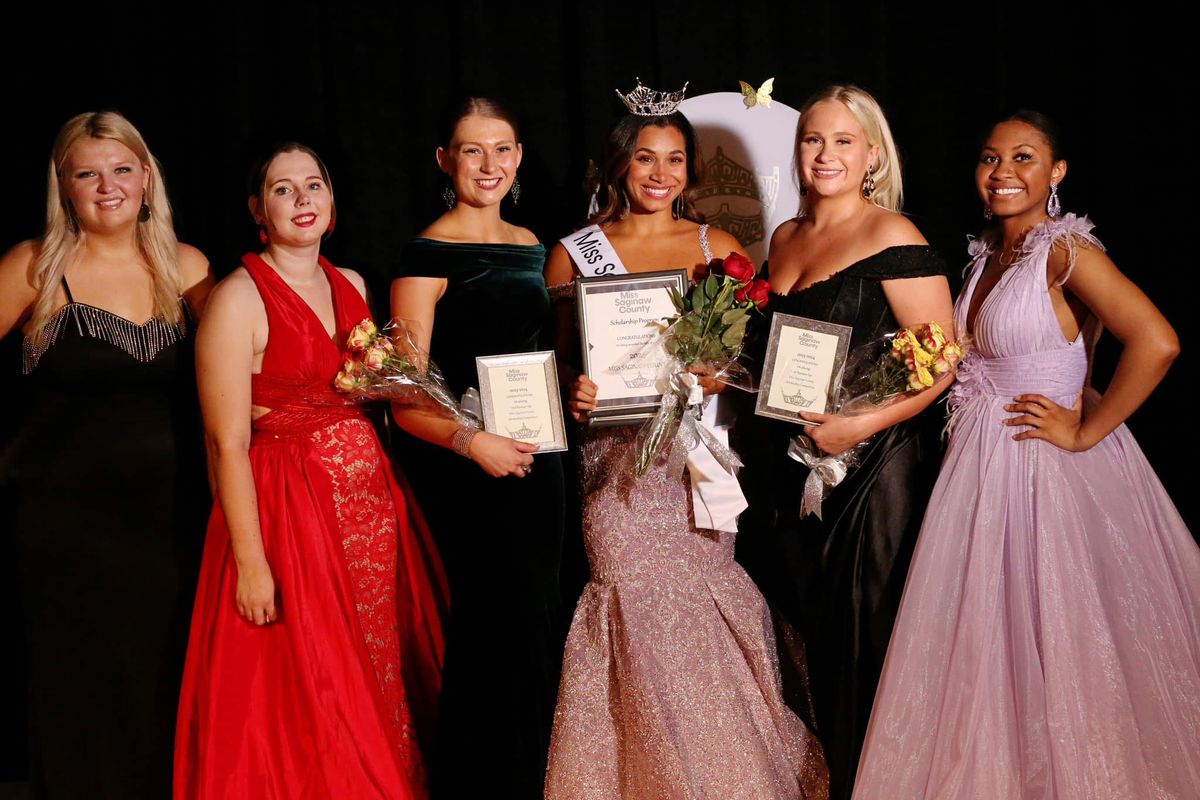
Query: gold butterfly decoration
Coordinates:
[761,96]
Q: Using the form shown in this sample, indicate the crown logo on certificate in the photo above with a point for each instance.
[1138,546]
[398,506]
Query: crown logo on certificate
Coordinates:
[799,399]
[525,433]
[646,102]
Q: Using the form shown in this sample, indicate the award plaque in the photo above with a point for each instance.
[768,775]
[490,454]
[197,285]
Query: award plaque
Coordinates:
[621,321]
[803,367]
[520,398]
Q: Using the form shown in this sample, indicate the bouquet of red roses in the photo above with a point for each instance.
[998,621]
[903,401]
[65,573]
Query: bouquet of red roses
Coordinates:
[707,331]
[393,368]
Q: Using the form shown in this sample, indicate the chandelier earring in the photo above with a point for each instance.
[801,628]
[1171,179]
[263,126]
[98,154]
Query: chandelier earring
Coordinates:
[516,191]
[868,185]
[448,196]
[262,235]
[1053,205]
[987,211]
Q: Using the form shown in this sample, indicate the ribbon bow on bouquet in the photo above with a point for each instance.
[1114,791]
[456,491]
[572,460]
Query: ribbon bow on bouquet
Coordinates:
[891,368]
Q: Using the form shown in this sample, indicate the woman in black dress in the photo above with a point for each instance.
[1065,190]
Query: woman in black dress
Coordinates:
[471,285]
[108,464]
[849,257]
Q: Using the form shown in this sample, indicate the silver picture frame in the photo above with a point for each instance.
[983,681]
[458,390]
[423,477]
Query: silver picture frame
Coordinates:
[803,367]
[520,398]
[621,319]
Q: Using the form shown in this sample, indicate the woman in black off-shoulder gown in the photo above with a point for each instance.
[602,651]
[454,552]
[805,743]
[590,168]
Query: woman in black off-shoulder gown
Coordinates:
[839,578]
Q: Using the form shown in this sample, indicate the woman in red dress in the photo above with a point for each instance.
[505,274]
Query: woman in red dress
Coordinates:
[315,651]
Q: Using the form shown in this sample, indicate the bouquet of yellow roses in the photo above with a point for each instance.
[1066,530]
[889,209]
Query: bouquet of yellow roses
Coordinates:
[379,366]
[891,368]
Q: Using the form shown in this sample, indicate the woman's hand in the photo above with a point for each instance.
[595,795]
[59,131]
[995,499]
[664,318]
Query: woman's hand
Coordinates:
[1049,421]
[499,456]
[582,398]
[836,434]
[256,594]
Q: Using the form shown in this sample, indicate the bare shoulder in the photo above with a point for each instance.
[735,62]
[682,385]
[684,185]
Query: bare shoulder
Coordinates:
[17,291]
[193,266]
[889,229]
[785,233]
[722,243]
[236,294]
[17,264]
[522,235]
[355,279]
[559,267]
[1077,257]
[438,229]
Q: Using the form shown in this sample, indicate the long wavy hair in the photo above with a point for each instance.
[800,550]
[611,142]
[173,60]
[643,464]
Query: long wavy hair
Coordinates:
[612,201]
[889,186]
[63,237]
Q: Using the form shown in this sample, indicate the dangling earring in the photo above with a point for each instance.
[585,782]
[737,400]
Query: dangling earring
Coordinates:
[448,196]
[516,191]
[262,235]
[144,211]
[803,189]
[987,212]
[1053,206]
[677,211]
[868,186]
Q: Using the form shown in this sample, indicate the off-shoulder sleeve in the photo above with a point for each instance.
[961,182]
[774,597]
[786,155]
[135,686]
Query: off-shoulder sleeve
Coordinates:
[420,260]
[901,261]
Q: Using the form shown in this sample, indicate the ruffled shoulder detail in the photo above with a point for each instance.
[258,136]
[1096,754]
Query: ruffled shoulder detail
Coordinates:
[981,245]
[1068,231]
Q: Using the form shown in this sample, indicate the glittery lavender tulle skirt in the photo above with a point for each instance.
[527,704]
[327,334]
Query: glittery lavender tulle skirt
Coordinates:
[670,686]
[1048,643]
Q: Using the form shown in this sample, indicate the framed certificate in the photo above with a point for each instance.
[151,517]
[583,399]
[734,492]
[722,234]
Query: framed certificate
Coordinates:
[803,367]
[520,399]
[621,325]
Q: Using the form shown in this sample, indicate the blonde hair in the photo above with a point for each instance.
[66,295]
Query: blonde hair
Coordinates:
[889,186]
[156,240]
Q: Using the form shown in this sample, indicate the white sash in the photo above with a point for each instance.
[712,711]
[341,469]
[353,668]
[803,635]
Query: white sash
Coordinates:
[593,253]
[717,497]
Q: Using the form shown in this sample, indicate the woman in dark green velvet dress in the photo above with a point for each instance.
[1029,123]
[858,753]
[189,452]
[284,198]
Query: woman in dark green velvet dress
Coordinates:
[471,285]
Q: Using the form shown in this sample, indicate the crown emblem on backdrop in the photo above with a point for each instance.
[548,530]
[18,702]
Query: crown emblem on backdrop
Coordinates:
[646,102]
[724,176]
[746,228]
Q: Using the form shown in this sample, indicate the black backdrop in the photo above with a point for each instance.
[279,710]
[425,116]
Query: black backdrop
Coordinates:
[363,83]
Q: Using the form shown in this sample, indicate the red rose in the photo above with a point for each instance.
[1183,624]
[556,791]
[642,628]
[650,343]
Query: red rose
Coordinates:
[738,267]
[757,292]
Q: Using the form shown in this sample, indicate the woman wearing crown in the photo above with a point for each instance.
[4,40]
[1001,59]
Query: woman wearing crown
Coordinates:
[670,684]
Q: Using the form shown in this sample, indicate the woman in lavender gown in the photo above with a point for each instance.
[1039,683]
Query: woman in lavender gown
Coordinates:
[1048,643]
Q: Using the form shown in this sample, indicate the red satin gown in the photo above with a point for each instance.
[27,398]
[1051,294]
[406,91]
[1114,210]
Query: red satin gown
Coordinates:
[332,700]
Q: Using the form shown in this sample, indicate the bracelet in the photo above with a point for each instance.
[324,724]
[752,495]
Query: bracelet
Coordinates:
[461,443]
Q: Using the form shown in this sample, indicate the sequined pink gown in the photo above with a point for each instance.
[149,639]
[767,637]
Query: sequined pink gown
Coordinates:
[1048,644]
[671,687]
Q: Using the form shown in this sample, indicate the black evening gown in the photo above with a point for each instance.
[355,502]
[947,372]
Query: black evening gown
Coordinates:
[107,470]
[500,538]
[839,580]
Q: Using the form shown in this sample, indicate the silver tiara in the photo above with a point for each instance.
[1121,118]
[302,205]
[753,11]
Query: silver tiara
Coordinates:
[646,102]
